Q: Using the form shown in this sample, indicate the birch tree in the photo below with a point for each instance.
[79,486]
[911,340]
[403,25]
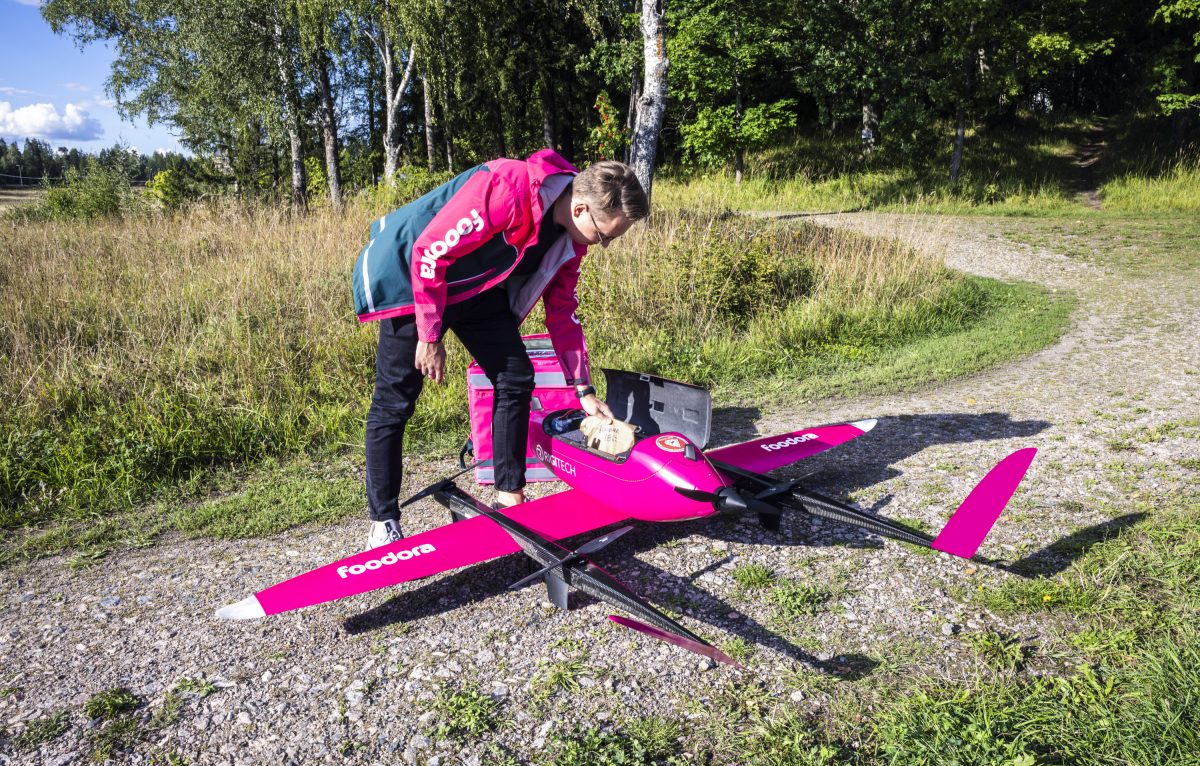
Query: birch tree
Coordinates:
[652,102]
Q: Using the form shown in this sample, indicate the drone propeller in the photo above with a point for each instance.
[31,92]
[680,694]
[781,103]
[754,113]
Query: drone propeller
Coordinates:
[589,547]
[730,499]
[437,485]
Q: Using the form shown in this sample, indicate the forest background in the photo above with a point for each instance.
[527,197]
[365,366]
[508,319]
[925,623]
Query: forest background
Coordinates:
[922,99]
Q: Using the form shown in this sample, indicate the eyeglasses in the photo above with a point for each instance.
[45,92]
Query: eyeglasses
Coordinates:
[602,239]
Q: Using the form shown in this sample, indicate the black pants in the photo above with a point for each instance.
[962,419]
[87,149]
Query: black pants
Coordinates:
[486,326]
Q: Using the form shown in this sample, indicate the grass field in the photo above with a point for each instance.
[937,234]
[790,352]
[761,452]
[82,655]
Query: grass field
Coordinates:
[11,196]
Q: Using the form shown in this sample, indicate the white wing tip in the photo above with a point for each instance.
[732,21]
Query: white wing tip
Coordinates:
[246,609]
[864,425]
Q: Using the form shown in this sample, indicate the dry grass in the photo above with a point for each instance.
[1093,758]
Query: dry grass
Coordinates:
[11,196]
[717,299]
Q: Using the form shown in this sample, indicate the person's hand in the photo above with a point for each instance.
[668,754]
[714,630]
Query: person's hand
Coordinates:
[592,405]
[431,360]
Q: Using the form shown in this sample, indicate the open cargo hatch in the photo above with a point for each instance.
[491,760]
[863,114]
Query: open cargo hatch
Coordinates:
[659,405]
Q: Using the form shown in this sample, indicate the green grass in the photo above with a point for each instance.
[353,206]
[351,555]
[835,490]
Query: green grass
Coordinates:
[560,675]
[223,504]
[464,713]
[1132,243]
[997,650]
[809,328]
[1175,189]
[794,600]
[642,742]
[116,735]
[274,500]
[110,703]
[739,649]
[753,576]
[1021,320]
[1120,686]
[1026,169]
[40,731]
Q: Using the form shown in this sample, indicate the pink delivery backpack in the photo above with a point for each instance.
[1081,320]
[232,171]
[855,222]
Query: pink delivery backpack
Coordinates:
[550,392]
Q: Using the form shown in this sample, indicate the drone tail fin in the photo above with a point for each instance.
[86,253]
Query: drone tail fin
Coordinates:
[970,524]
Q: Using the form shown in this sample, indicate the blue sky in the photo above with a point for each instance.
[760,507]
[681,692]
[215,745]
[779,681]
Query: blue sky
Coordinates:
[49,89]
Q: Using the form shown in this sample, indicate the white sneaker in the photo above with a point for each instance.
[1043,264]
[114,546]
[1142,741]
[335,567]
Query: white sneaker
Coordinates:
[384,532]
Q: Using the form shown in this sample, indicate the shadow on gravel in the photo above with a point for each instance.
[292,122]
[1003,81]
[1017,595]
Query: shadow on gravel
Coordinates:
[733,424]
[663,589]
[868,460]
[892,440]
[1057,556]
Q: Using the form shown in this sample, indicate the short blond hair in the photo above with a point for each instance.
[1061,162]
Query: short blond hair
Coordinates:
[612,187]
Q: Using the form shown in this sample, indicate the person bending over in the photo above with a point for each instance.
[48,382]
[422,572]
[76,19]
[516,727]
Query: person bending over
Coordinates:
[473,257]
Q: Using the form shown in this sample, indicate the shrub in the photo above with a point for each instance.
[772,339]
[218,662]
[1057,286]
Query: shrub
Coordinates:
[172,189]
[410,182]
[100,191]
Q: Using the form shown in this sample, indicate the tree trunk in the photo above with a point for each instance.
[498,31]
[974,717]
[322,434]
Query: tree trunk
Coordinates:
[371,119]
[329,131]
[447,136]
[390,140]
[870,123]
[739,153]
[653,101]
[960,117]
[635,91]
[430,138]
[291,117]
[548,112]
[394,100]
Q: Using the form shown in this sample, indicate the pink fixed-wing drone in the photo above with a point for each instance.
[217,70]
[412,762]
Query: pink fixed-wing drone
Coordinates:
[665,476]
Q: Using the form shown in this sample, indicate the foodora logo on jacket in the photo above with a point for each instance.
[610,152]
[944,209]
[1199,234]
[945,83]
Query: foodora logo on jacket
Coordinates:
[451,238]
[391,557]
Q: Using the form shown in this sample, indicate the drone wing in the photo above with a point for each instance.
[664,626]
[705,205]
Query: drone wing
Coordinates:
[771,452]
[465,542]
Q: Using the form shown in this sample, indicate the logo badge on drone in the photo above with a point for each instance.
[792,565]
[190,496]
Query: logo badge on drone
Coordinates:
[671,443]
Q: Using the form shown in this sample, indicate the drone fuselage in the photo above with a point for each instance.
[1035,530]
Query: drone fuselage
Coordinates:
[640,483]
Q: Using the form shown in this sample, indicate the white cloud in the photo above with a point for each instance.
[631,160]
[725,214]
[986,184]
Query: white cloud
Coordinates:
[77,86]
[95,103]
[11,91]
[45,121]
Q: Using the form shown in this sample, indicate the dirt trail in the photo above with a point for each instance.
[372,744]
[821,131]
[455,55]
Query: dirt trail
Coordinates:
[1086,158]
[354,681]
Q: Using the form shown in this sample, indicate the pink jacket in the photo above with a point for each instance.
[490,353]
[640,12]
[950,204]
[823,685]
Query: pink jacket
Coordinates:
[467,236]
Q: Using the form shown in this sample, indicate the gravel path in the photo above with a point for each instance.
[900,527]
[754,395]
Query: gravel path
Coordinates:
[355,681]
